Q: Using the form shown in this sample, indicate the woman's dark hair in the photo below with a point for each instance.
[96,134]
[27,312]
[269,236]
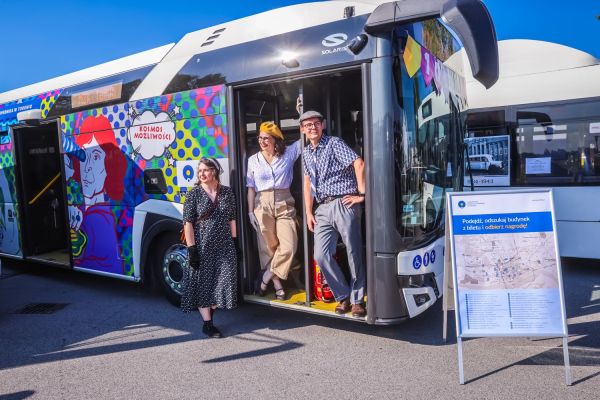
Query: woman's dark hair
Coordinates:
[279,147]
[213,164]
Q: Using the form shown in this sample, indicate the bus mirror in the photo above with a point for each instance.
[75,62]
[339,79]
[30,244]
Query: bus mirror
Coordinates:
[470,20]
[473,24]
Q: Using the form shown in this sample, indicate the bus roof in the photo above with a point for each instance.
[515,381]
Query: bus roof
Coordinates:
[254,27]
[534,71]
[138,60]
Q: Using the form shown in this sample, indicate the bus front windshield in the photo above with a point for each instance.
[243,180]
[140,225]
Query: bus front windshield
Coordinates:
[430,126]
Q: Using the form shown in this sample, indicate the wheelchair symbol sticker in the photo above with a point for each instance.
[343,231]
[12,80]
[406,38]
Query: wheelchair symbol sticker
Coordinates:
[417,262]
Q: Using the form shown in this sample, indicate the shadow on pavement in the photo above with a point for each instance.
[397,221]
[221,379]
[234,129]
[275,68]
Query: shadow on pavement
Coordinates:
[581,279]
[577,357]
[85,328]
[17,395]
[280,346]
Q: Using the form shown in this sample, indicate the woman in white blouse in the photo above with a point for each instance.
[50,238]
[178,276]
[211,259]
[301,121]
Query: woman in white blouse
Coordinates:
[272,214]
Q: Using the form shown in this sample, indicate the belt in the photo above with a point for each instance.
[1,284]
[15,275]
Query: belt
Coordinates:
[329,199]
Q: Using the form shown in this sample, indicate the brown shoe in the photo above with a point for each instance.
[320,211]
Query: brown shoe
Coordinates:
[343,307]
[358,310]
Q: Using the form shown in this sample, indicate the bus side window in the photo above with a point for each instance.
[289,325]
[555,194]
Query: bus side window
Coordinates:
[154,182]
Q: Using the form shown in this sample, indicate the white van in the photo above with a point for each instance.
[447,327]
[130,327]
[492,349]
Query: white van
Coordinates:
[483,162]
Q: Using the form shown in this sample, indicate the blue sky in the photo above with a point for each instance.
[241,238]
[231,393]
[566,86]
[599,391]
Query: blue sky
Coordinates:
[45,39]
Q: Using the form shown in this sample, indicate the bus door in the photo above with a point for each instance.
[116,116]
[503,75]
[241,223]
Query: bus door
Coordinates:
[39,183]
[253,108]
[338,96]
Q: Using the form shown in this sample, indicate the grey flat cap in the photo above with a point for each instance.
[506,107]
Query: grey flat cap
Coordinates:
[310,114]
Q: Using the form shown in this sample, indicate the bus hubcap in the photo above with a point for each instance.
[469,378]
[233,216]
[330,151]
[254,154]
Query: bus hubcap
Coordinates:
[174,262]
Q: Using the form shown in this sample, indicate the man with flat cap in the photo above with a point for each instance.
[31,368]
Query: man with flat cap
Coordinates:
[334,178]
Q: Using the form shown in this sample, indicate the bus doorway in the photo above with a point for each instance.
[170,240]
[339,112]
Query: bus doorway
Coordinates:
[338,96]
[42,199]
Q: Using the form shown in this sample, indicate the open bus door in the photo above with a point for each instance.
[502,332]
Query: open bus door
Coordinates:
[41,194]
[338,95]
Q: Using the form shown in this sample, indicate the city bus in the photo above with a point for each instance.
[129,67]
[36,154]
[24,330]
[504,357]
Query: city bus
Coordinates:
[96,164]
[547,104]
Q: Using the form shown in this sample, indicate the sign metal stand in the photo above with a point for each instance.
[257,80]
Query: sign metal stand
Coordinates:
[448,290]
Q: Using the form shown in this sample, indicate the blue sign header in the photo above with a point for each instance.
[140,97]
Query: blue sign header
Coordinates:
[502,223]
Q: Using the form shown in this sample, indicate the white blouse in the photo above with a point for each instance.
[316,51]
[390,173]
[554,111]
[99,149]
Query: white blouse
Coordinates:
[278,175]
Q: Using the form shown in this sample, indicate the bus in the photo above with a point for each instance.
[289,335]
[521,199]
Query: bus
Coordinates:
[96,164]
[546,104]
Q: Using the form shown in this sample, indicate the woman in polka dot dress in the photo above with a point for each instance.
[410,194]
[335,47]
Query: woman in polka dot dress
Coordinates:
[209,224]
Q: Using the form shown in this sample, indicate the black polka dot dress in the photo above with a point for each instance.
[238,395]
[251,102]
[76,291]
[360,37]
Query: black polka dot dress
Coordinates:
[215,282]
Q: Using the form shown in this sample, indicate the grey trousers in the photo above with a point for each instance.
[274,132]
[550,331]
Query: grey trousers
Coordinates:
[334,220]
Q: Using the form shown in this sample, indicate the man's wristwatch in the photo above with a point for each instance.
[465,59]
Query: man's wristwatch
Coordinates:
[361,194]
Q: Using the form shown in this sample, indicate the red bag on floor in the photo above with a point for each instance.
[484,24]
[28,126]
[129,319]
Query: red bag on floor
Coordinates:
[322,291]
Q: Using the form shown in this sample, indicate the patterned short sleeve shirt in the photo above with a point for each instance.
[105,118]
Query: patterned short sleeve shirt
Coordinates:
[329,167]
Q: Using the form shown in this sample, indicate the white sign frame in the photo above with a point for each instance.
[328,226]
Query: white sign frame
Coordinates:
[454,289]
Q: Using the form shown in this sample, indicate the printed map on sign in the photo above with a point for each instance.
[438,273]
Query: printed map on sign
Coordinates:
[528,262]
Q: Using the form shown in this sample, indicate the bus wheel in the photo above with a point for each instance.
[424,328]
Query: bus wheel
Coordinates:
[171,260]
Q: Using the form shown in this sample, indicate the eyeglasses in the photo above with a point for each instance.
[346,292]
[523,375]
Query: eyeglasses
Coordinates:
[263,138]
[311,125]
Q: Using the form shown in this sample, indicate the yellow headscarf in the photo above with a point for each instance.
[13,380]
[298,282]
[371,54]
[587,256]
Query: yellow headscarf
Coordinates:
[271,129]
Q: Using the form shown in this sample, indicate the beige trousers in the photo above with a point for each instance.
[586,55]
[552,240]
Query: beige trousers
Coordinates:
[276,214]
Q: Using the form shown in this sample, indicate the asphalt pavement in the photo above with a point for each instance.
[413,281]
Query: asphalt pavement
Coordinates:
[110,339]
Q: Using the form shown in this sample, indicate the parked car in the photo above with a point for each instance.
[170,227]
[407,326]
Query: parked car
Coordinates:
[483,162]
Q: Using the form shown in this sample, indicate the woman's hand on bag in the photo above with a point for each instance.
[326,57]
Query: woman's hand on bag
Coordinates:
[193,257]
[254,221]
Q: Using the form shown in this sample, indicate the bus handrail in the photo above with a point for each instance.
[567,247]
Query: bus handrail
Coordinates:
[44,189]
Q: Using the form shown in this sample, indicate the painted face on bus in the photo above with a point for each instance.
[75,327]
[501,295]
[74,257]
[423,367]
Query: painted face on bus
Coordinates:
[93,170]
[206,174]
[313,129]
[266,142]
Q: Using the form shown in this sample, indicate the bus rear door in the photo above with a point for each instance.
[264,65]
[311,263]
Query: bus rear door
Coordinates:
[41,194]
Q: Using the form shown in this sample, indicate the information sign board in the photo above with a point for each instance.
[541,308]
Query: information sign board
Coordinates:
[505,264]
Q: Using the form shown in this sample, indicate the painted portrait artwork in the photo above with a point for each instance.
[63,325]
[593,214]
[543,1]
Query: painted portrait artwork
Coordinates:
[107,150]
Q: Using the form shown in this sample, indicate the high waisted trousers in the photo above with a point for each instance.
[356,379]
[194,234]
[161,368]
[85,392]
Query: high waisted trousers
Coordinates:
[276,214]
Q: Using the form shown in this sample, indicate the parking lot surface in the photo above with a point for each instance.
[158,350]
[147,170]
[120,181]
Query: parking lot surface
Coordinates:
[108,339]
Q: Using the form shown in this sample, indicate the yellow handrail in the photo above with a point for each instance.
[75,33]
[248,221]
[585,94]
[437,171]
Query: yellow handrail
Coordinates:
[44,189]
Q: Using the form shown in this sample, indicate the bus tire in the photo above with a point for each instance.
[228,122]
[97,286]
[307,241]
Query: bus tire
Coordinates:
[170,261]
